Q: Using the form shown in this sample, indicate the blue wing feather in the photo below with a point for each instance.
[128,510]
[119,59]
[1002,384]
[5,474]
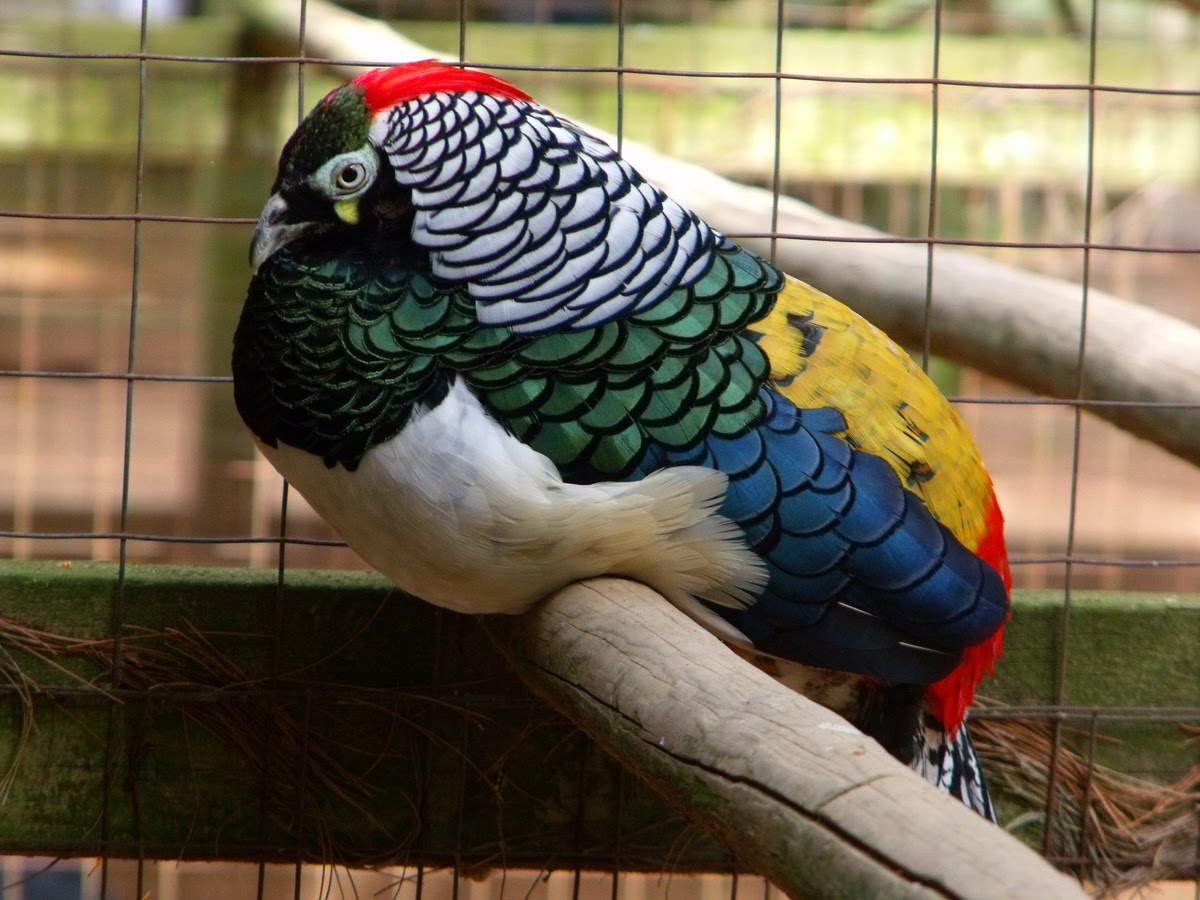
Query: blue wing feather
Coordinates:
[862,577]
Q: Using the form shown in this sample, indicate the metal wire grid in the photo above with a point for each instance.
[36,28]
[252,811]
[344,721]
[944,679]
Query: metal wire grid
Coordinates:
[130,374]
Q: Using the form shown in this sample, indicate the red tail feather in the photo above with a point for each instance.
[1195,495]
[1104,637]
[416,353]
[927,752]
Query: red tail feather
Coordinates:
[949,698]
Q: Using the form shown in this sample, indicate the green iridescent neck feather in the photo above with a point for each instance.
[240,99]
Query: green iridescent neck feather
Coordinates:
[335,351]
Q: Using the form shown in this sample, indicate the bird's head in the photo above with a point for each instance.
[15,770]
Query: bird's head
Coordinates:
[333,176]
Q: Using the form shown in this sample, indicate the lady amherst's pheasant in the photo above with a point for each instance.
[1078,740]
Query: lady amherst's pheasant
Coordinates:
[497,361]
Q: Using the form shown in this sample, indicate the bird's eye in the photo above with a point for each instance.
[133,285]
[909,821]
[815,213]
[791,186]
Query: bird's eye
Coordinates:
[345,177]
[350,177]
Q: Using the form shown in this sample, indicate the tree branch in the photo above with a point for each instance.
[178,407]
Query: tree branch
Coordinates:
[796,792]
[1006,322]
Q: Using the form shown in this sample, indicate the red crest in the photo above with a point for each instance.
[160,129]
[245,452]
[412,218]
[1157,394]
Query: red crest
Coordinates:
[384,88]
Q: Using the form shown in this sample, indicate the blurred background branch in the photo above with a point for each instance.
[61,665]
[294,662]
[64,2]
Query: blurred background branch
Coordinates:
[1016,325]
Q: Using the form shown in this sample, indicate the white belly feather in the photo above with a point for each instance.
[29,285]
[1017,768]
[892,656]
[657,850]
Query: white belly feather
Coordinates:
[455,510]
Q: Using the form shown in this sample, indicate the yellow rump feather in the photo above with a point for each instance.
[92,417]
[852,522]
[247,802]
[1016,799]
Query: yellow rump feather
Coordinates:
[824,354]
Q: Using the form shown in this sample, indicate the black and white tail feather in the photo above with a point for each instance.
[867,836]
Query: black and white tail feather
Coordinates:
[951,765]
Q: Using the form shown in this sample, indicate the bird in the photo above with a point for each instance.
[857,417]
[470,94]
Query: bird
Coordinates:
[497,360]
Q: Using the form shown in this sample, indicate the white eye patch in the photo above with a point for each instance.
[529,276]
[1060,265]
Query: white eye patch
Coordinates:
[348,175]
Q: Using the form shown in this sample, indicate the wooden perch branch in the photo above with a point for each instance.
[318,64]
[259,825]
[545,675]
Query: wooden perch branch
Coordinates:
[1006,322]
[795,791]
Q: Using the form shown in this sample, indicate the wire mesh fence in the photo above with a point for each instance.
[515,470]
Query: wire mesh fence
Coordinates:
[135,152]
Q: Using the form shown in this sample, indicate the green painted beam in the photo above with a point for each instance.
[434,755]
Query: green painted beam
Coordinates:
[327,720]
[1131,658]
[1123,650]
[333,718]
[63,106]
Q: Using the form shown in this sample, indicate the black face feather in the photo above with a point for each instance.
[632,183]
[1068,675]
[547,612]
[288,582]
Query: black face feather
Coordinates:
[307,197]
[338,124]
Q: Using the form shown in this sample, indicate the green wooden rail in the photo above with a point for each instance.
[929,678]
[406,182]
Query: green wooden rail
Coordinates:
[335,719]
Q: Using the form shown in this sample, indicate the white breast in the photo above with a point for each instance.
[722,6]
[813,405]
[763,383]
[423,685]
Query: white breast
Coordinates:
[457,511]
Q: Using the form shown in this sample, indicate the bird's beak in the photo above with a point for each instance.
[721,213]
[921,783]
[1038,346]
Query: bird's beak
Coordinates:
[272,232]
